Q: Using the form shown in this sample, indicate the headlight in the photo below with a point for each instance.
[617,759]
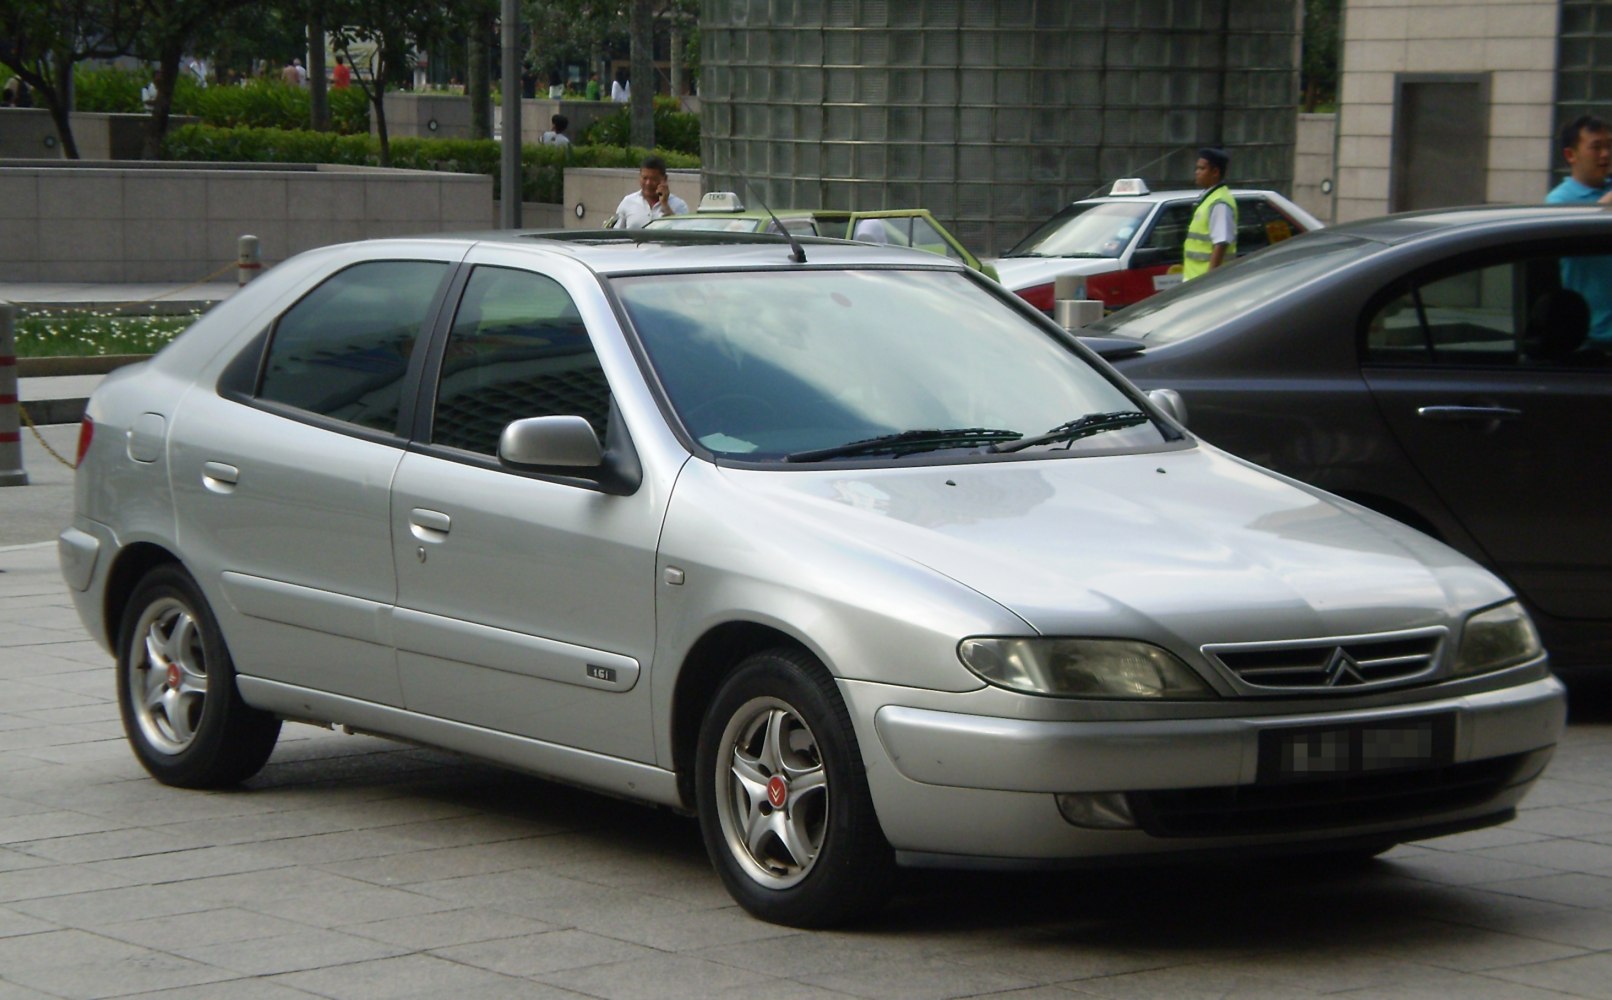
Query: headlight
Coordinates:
[1496,638]
[1082,668]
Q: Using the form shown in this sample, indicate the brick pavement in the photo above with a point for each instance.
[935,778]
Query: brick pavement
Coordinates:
[358,868]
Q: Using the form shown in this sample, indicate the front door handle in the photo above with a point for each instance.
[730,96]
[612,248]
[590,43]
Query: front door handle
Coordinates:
[1483,413]
[429,525]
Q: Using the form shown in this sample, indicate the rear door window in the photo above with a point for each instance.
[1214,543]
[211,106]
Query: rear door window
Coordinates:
[343,350]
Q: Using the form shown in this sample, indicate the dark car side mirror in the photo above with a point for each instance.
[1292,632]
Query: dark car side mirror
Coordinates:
[1155,256]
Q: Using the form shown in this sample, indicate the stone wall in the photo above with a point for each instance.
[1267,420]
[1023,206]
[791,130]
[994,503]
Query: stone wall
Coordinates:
[1313,164]
[89,221]
[28,133]
[1512,41]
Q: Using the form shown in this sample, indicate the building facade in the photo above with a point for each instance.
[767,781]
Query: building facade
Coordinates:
[993,114]
[1450,103]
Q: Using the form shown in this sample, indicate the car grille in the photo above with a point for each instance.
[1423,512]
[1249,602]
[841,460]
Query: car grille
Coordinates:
[1351,801]
[1333,665]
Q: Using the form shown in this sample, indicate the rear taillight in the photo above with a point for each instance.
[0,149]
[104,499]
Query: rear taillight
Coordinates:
[1039,296]
[86,434]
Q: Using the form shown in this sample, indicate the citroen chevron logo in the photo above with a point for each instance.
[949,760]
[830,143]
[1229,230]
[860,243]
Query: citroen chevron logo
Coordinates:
[1342,670]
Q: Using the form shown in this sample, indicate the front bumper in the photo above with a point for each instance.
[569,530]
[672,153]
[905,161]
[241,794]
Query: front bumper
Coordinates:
[949,783]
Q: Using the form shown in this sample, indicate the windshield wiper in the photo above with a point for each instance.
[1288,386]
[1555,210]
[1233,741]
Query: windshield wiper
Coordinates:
[1073,430]
[908,442]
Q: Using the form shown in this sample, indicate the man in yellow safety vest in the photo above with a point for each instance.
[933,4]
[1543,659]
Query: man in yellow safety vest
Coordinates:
[1212,236]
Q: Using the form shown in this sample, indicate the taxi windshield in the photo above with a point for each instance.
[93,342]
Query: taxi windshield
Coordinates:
[1086,229]
[774,366]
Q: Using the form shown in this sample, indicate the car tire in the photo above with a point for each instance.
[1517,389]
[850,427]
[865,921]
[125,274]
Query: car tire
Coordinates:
[176,689]
[783,796]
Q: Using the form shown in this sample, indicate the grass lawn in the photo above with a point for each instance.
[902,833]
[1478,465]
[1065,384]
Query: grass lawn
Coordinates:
[48,333]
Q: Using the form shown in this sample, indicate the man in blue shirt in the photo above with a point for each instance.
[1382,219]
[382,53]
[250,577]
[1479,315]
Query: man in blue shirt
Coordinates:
[1586,144]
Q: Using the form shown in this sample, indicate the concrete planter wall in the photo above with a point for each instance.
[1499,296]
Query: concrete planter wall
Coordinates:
[28,133]
[85,221]
[1313,164]
[536,115]
[425,116]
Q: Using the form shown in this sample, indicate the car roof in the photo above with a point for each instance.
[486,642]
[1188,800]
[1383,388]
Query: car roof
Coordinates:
[1178,194]
[1406,226]
[633,251]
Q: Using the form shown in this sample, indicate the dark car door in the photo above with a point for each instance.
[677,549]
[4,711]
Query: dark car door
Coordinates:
[1479,370]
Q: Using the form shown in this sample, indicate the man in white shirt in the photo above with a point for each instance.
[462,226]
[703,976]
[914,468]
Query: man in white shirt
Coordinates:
[556,136]
[652,200]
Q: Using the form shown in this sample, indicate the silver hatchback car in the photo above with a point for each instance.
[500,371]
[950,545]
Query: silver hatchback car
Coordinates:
[856,557]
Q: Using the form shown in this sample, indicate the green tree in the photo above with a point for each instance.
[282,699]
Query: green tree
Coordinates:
[381,40]
[1320,62]
[42,40]
[169,29]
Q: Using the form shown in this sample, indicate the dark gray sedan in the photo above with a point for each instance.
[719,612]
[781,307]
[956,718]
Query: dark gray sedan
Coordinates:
[1439,367]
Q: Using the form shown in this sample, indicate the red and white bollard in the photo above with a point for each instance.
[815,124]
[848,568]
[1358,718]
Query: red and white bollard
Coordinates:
[248,261]
[11,470]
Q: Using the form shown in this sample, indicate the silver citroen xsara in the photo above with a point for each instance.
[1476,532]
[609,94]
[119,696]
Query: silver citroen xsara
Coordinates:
[843,549]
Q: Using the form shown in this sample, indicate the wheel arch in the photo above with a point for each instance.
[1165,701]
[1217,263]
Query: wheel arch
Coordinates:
[130,565]
[709,661]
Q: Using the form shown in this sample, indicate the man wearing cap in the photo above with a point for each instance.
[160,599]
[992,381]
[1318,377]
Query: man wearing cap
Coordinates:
[1212,236]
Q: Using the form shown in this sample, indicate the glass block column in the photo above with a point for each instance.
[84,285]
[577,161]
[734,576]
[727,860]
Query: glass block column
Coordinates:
[993,114]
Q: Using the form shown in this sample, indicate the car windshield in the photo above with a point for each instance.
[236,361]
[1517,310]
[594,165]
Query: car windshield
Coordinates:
[1086,229]
[1193,307]
[705,223]
[814,365]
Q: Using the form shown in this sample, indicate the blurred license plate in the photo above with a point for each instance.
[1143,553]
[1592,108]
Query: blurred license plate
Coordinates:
[1362,748]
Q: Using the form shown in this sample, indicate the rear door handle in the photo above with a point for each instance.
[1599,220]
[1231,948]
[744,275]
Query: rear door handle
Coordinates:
[429,525]
[219,477]
[1468,412]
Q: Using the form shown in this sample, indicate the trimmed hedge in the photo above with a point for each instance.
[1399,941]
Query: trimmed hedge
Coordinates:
[543,167]
[263,103]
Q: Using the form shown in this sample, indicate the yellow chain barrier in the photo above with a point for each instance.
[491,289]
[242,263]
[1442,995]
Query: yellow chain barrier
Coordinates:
[41,438]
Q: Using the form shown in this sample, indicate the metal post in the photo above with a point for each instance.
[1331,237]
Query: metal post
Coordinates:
[11,470]
[248,260]
[509,205]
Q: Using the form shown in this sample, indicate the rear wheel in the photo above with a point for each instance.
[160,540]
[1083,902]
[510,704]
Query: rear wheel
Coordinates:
[783,798]
[176,689]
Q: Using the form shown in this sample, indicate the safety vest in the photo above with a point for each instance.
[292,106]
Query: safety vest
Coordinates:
[1198,248]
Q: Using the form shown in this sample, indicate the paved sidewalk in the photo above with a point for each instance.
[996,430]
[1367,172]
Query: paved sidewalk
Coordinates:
[358,868]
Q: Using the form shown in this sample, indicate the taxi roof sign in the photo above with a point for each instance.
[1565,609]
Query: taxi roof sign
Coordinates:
[721,201]
[1129,185]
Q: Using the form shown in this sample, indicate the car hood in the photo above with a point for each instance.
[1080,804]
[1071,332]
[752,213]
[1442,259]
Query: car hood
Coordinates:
[1184,547]
[1024,272]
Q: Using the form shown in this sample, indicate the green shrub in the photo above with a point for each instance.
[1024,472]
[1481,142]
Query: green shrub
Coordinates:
[542,167]
[674,129]
[258,104]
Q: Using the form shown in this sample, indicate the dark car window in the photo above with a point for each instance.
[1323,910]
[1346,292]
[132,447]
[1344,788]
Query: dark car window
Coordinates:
[518,349]
[1170,229]
[927,237]
[1259,224]
[1515,312]
[343,349]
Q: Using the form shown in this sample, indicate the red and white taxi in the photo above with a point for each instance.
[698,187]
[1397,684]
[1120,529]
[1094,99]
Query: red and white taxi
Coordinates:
[1127,244]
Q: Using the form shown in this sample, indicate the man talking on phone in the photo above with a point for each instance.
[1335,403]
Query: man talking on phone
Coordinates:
[652,200]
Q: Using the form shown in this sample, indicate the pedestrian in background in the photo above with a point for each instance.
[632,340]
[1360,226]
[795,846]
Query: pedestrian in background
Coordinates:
[652,200]
[556,136]
[1212,235]
[342,76]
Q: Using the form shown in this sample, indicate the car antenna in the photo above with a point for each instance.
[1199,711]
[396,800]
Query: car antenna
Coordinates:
[797,253]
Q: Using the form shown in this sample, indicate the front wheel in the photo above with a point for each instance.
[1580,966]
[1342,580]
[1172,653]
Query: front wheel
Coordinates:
[181,712]
[783,797]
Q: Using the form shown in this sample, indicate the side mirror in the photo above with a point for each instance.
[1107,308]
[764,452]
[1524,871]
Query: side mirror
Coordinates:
[559,443]
[1170,402]
[1155,256]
